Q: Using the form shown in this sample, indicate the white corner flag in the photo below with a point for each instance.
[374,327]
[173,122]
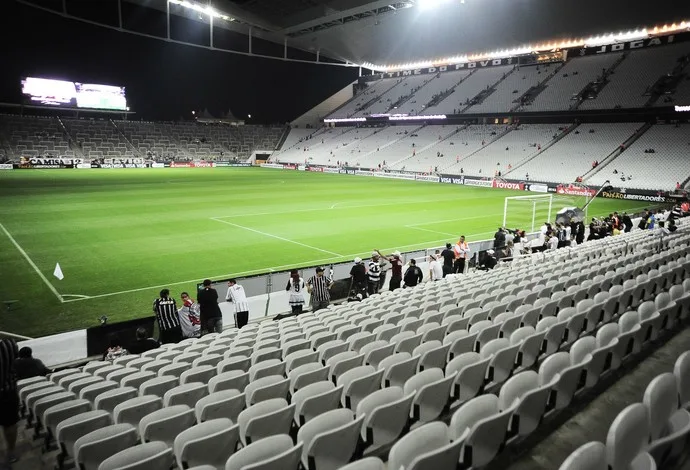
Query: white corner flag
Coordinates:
[58,272]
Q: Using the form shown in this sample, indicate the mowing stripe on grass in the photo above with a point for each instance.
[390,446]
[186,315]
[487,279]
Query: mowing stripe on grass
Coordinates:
[276,237]
[33,265]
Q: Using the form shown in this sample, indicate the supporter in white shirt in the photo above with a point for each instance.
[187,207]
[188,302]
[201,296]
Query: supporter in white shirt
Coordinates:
[237,296]
[435,269]
[553,242]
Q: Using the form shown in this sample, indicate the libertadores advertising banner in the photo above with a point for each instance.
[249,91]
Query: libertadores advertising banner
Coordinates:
[487,183]
[6,166]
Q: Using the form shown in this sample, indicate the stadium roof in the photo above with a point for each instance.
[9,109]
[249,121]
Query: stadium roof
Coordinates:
[394,31]
[385,32]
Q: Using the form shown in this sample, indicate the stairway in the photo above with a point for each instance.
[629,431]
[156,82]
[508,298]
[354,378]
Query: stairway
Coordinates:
[431,145]
[592,89]
[543,149]
[387,144]
[613,155]
[498,136]
[482,95]
[73,144]
[528,97]
[443,96]
[129,143]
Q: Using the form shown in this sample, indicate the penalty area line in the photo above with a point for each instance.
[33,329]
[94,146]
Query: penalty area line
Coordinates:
[276,237]
[32,264]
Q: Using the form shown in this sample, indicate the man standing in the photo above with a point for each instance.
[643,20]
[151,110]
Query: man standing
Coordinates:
[413,275]
[396,271]
[211,317]
[358,277]
[383,265]
[435,268]
[319,288]
[190,317]
[9,399]
[448,258]
[237,296]
[499,239]
[27,366]
[462,251]
[165,309]
[374,273]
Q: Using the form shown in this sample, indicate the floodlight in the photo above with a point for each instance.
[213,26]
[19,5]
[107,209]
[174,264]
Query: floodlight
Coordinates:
[431,4]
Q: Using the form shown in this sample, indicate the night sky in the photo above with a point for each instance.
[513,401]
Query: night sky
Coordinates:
[164,81]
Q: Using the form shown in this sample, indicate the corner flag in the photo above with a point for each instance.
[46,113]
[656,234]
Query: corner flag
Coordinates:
[58,272]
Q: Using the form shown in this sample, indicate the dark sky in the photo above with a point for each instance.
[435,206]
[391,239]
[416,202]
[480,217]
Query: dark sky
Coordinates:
[163,80]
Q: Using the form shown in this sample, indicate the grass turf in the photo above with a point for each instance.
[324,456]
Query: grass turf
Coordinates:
[120,235]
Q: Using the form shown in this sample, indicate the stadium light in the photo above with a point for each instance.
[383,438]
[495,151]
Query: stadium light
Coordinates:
[431,4]
[592,41]
[204,9]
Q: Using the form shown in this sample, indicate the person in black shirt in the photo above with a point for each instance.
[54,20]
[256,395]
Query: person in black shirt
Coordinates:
[165,309]
[627,221]
[9,398]
[448,258]
[499,239]
[358,276]
[413,275]
[143,342]
[26,366]
[210,313]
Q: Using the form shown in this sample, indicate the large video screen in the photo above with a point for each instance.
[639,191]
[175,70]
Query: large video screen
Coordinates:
[62,93]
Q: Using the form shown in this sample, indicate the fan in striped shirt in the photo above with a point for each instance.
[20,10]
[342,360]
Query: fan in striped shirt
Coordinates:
[165,309]
[374,273]
[318,286]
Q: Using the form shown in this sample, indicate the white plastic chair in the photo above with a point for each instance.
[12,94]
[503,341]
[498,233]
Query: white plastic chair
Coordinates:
[427,447]
[315,399]
[329,440]
[208,443]
[93,448]
[165,424]
[266,418]
[386,414]
[151,456]
[432,392]
[270,453]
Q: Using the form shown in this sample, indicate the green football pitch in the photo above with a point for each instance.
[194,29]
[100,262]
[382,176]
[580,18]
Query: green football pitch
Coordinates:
[122,235]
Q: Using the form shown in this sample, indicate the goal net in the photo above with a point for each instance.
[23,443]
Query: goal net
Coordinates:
[527,212]
[530,212]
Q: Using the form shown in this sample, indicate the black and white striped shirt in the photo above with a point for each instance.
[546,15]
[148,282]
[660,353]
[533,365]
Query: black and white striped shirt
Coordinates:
[374,271]
[8,354]
[319,286]
[166,313]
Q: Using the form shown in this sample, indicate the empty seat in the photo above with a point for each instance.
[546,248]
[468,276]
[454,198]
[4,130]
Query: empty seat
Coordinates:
[266,418]
[386,414]
[562,376]
[266,368]
[110,399]
[208,443]
[469,372]
[230,380]
[271,453]
[330,439]
[200,374]
[132,410]
[525,400]
[357,383]
[307,374]
[590,456]
[187,394]
[398,368]
[627,439]
[158,385]
[273,386]
[222,404]
[165,424]
[150,456]
[135,380]
[427,447]
[432,392]
[315,399]
[90,392]
[93,448]
[484,426]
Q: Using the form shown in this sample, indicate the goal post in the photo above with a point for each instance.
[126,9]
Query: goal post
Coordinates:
[527,211]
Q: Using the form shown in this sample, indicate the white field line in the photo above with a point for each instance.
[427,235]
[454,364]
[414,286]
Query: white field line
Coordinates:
[276,237]
[33,265]
[412,227]
[272,268]
[79,296]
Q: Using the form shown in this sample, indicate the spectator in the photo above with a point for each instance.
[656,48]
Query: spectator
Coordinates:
[115,350]
[358,278]
[383,266]
[295,286]
[396,271]
[448,257]
[319,287]
[211,317]
[499,239]
[651,220]
[462,251]
[627,222]
[26,366]
[143,342]
[190,317]
[9,398]
[435,268]
[237,296]
[413,275]
[165,309]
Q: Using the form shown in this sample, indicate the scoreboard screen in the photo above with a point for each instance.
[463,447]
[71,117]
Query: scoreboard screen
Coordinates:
[63,93]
